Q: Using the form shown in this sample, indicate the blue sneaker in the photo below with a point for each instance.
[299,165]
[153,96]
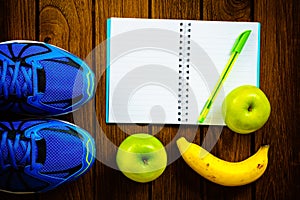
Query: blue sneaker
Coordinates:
[40,79]
[39,155]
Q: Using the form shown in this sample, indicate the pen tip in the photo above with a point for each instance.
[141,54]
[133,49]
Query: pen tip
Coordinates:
[201,120]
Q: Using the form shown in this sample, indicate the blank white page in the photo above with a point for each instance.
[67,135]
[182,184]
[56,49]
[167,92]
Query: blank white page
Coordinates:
[210,48]
[142,80]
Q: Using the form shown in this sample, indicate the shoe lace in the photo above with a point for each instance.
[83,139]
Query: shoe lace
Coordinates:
[12,147]
[15,87]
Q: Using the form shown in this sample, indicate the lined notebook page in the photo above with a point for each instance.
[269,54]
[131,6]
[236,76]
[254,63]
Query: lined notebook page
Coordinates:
[211,47]
[163,71]
[143,71]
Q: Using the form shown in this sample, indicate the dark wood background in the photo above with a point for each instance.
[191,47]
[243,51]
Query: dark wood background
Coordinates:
[80,25]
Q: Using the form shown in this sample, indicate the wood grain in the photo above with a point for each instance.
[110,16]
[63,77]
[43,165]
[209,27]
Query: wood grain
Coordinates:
[3,19]
[19,20]
[279,61]
[230,146]
[227,10]
[110,182]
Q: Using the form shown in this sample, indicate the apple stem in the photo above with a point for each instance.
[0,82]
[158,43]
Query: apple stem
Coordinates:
[250,108]
[145,160]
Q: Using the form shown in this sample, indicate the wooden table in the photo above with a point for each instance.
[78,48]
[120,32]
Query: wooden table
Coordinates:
[80,25]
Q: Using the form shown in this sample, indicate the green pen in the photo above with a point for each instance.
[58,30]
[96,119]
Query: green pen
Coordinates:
[235,51]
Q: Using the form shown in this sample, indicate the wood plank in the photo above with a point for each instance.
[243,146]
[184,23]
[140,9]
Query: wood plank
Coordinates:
[231,146]
[19,20]
[279,63]
[227,10]
[3,19]
[68,25]
[178,181]
[17,23]
[110,183]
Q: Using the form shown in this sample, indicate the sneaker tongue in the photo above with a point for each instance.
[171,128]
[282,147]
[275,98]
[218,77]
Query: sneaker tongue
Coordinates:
[41,151]
[41,80]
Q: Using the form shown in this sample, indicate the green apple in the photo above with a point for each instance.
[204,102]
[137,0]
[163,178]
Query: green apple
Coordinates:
[141,157]
[246,109]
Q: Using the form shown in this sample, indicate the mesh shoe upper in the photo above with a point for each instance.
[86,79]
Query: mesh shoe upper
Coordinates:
[39,155]
[38,78]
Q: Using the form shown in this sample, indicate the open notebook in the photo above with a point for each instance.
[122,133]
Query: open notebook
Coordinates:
[162,71]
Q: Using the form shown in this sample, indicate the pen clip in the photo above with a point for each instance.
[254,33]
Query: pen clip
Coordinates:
[240,42]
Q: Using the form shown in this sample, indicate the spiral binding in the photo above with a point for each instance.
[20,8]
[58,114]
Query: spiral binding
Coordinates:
[184,70]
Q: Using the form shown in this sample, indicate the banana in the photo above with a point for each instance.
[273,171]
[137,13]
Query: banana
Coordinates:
[220,171]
